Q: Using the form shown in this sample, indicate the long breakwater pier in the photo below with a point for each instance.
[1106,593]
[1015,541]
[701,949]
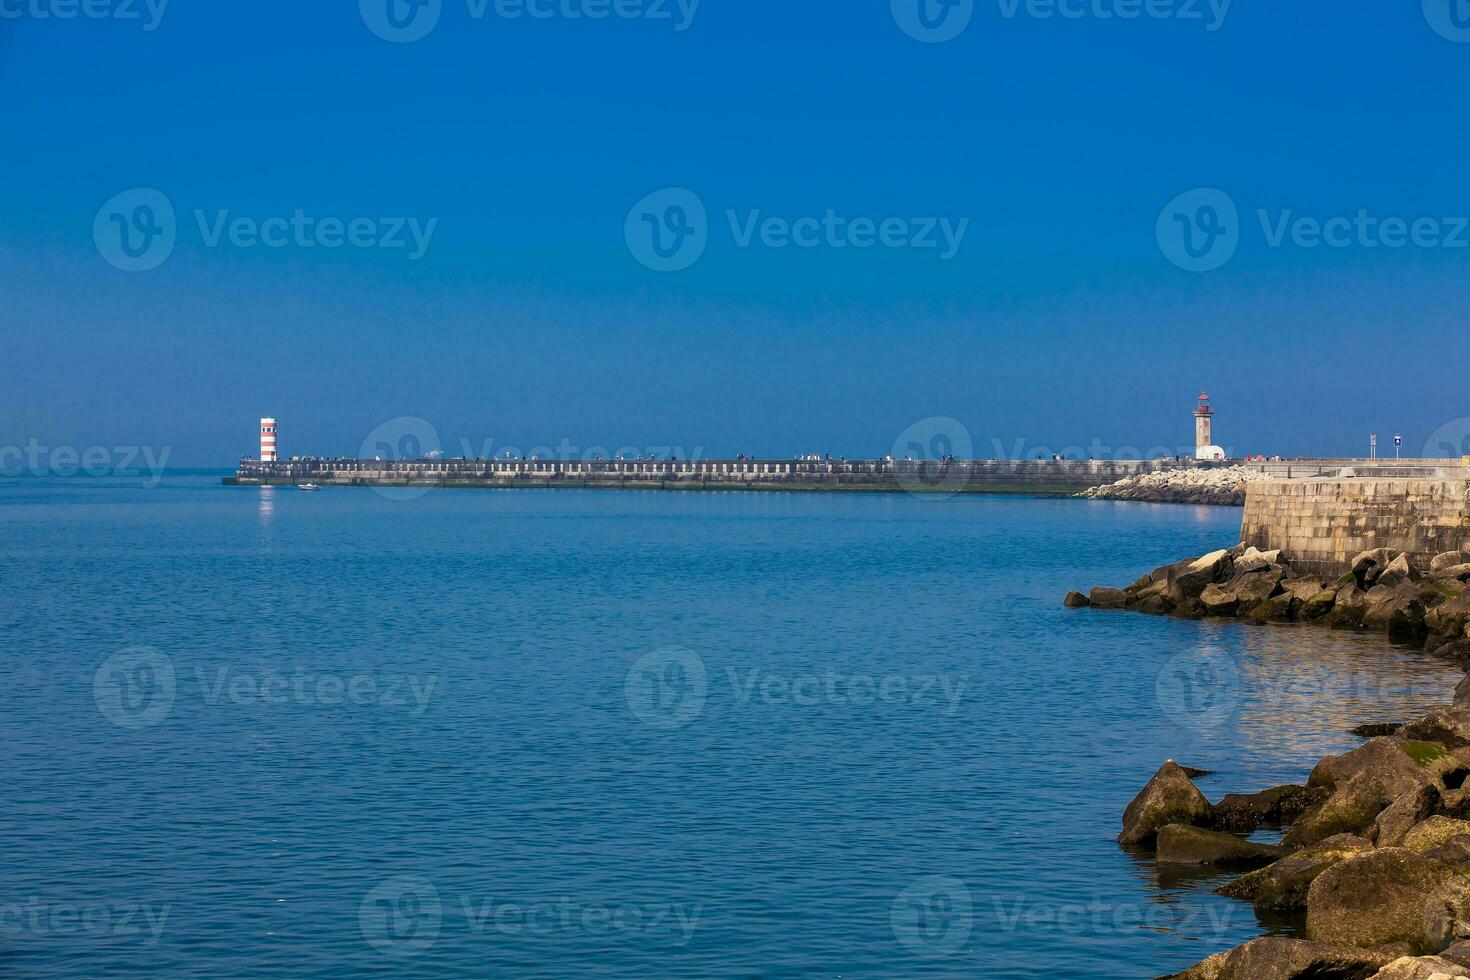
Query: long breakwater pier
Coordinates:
[1036,477]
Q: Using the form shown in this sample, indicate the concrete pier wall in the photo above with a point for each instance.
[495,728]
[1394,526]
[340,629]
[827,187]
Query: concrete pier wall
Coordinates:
[875,475]
[1320,524]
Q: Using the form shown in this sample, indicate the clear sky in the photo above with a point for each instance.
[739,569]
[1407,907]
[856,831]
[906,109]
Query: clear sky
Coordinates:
[1050,147]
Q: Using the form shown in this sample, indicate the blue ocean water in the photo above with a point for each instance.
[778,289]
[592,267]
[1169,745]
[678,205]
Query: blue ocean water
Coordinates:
[268,733]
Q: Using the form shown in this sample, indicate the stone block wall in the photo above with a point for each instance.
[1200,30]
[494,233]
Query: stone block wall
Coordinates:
[1321,524]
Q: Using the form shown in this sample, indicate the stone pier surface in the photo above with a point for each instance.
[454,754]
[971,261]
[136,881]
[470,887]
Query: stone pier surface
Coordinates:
[1321,524]
[1057,477]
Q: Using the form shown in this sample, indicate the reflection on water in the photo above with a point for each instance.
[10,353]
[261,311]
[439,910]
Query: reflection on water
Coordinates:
[1284,696]
[1263,704]
[796,827]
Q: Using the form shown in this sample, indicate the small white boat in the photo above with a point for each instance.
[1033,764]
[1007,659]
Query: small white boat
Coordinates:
[307,486]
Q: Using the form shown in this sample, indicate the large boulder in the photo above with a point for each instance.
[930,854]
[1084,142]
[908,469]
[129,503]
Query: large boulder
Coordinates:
[1277,958]
[1420,968]
[1283,886]
[1455,853]
[1449,619]
[1168,797]
[1219,600]
[1189,579]
[1254,560]
[1350,605]
[1449,726]
[1398,610]
[1453,575]
[1351,809]
[1448,560]
[1397,573]
[1368,565]
[1255,588]
[1433,832]
[1184,844]
[1404,813]
[1076,600]
[1241,813]
[1102,598]
[1400,766]
[1390,895]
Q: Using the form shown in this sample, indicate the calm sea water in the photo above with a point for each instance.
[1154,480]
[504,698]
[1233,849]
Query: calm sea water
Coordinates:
[267,733]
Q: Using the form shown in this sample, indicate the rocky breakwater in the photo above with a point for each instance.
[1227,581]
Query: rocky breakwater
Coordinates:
[1425,607]
[1223,486]
[1376,856]
[1374,859]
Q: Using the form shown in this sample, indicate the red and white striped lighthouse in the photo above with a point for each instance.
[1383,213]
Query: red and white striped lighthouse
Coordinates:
[267,440]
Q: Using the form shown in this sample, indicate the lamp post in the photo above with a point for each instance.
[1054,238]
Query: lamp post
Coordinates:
[1372,445]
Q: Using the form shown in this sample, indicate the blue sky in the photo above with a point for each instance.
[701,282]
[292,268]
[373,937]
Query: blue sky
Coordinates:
[1055,142]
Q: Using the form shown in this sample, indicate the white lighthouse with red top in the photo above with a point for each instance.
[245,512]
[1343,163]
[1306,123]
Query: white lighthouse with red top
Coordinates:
[1204,441]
